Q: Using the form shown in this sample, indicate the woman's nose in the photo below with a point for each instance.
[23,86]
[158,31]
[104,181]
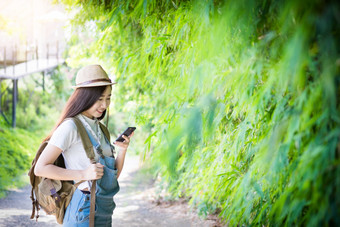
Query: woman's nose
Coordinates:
[104,104]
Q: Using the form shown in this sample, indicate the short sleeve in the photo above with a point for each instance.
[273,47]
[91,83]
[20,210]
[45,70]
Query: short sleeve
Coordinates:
[65,135]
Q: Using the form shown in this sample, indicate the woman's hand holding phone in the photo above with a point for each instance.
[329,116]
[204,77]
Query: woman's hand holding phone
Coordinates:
[123,140]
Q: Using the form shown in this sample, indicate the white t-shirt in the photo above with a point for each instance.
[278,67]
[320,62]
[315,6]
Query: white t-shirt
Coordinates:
[67,138]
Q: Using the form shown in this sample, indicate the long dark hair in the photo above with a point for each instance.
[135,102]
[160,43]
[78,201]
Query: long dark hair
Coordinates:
[82,99]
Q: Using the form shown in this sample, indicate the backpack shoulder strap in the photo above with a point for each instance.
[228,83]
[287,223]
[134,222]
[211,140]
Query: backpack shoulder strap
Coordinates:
[88,147]
[105,131]
[34,182]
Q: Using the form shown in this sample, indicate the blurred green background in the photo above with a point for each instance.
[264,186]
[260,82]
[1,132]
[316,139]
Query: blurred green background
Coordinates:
[236,103]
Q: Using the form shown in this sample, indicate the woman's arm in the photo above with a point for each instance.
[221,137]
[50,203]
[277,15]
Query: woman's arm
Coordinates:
[120,161]
[122,152]
[45,167]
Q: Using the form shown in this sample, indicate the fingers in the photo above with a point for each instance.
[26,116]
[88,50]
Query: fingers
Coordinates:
[99,165]
[99,170]
[123,145]
[126,139]
[95,171]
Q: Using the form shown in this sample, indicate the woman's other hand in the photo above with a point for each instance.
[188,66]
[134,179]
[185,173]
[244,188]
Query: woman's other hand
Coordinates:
[94,172]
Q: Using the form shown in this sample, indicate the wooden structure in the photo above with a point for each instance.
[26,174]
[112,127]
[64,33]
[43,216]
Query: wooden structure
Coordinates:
[26,68]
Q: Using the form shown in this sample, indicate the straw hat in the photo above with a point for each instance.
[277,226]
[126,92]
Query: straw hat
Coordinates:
[92,76]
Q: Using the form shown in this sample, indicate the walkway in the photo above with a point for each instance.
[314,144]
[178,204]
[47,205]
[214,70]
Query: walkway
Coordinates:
[136,206]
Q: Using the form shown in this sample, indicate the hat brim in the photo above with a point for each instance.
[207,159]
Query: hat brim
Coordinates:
[97,84]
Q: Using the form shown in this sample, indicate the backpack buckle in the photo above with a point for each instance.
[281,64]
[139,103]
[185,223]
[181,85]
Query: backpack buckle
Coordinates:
[55,196]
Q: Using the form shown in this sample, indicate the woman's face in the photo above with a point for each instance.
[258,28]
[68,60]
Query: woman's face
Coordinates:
[100,105]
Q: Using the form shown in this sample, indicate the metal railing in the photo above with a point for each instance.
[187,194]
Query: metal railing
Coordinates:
[12,54]
[30,56]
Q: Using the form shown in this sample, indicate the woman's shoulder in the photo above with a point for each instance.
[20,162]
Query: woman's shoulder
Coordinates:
[65,134]
[68,124]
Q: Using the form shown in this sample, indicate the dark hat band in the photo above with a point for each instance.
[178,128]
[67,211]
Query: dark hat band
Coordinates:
[93,81]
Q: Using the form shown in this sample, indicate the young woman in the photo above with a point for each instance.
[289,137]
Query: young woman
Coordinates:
[88,103]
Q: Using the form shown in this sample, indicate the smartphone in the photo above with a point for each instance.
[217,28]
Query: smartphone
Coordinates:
[127,132]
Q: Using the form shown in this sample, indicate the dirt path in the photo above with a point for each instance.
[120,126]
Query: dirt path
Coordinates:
[135,206]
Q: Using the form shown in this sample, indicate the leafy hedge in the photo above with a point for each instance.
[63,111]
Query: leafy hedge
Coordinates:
[241,99]
[16,154]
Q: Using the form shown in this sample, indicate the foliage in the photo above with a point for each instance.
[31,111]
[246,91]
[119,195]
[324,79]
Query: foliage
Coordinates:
[37,111]
[16,151]
[50,98]
[240,99]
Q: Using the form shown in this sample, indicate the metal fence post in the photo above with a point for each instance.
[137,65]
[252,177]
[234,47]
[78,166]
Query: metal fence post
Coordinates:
[5,60]
[43,82]
[14,101]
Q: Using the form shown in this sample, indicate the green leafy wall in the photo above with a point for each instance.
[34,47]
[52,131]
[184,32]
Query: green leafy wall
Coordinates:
[240,99]
[16,154]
